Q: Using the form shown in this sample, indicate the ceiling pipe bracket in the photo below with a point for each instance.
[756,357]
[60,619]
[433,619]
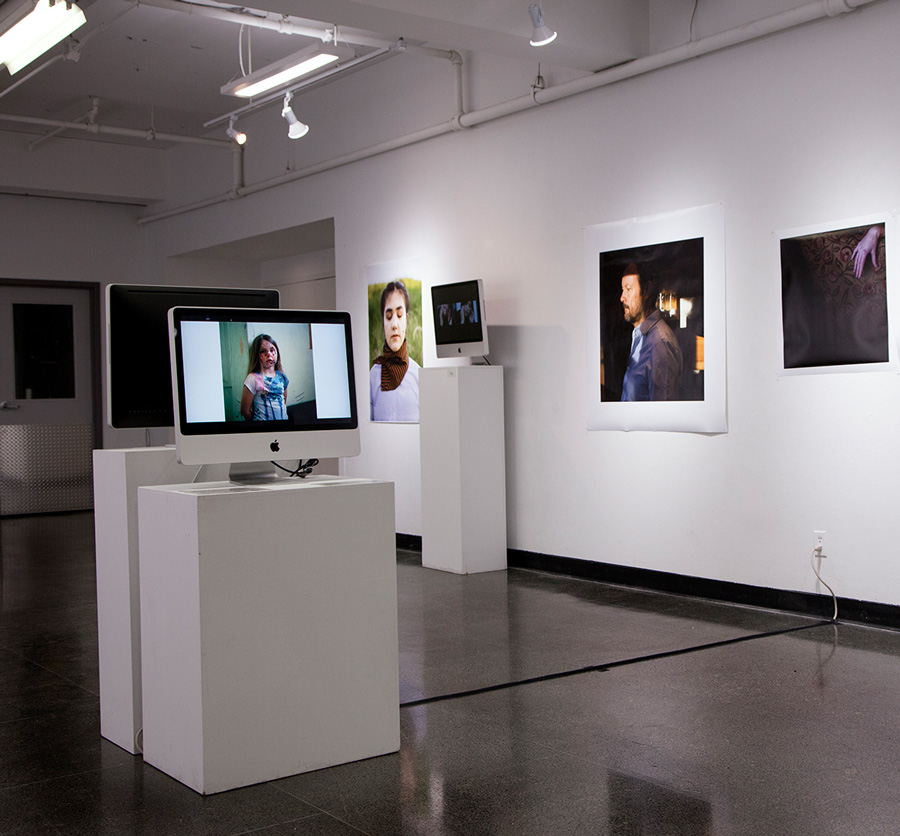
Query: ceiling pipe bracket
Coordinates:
[834,8]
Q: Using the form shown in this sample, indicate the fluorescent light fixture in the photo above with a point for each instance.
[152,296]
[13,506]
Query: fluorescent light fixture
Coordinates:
[542,34]
[287,70]
[31,28]
[296,128]
[238,136]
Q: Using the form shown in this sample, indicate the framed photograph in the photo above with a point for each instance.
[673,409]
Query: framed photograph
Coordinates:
[395,340]
[834,296]
[656,322]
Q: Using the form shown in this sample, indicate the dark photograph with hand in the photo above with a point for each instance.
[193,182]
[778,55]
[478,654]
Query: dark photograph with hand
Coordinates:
[834,297]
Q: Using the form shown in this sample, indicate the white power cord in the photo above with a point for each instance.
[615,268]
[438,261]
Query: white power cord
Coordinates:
[816,552]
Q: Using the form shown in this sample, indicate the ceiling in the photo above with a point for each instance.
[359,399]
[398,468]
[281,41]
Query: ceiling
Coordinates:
[161,69]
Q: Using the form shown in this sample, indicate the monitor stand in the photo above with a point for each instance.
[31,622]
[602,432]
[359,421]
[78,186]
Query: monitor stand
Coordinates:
[254,473]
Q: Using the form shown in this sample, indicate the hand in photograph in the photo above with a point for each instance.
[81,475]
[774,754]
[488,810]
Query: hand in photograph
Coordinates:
[866,248]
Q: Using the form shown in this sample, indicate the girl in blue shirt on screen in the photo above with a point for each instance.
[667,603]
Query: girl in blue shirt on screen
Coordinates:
[264,396]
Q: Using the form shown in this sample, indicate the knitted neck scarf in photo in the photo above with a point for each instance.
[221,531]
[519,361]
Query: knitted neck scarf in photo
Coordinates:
[393,366]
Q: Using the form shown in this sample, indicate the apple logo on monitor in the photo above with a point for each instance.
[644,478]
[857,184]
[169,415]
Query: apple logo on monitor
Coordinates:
[274,446]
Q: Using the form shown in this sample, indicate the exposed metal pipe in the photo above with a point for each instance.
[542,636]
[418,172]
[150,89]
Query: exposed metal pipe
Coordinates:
[285,24]
[298,174]
[732,37]
[346,159]
[694,49]
[33,73]
[237,158]
[88,118]
[456,60]
[72,51]
[395,48]
[288,25]
[94,128]
[260,20]
[429,51]
[327,33]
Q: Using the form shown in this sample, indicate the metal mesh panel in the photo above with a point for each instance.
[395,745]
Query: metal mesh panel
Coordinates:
[45,468]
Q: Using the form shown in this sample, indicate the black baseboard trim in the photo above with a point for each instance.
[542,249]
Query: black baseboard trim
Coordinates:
[410,542]
[820,606]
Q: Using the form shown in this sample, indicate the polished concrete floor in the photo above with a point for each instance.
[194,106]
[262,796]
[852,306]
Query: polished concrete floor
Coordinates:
[532,704]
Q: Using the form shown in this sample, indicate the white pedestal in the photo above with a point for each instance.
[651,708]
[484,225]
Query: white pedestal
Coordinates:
[463,468]
[117,476]
[268,628]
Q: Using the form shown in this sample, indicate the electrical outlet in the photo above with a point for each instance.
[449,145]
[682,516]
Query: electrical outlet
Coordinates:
[820,542]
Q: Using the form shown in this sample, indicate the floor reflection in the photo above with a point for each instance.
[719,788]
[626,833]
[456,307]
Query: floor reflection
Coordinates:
[789,733]
[643,808]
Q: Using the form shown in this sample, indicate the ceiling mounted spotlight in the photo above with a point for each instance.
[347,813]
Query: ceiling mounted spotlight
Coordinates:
[28,29]
[287,70]
[542,34]
[296,128]
[238,136]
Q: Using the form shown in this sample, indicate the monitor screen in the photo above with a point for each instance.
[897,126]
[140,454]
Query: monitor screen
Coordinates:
[139,379]
[459,325]
[254,385]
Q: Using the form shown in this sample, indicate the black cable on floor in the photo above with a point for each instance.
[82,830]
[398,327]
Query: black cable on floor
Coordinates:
[607,666]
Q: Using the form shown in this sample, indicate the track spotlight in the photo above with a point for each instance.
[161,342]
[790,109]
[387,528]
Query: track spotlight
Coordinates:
[238,136]
[296,128]
[542,34]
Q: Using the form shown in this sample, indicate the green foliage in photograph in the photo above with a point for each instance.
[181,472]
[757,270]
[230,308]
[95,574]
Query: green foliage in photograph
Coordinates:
[414,319]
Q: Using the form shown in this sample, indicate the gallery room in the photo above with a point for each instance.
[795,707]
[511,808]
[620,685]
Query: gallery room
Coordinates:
[697,628]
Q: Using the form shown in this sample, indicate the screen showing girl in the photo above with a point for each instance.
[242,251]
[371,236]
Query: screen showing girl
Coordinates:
[264,394]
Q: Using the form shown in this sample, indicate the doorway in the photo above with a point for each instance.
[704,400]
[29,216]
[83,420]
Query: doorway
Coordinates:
[50,419]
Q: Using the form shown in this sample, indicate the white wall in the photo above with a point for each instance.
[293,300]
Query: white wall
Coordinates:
[305,281]
[79,240]
[70,240]
[795,129]
[85,169]
[67,240]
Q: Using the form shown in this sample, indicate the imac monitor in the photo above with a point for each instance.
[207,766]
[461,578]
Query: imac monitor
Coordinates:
[301,405]
[139,378]
[459,326]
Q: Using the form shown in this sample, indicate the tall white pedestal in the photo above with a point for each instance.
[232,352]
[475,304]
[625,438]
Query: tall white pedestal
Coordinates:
[463,468]
[117,476]
[268,628]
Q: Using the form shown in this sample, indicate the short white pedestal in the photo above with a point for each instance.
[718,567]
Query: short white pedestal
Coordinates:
[463,468]
[268,628]
[117,476]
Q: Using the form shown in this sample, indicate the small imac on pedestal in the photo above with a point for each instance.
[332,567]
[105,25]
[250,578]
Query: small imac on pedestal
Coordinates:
[460,329]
